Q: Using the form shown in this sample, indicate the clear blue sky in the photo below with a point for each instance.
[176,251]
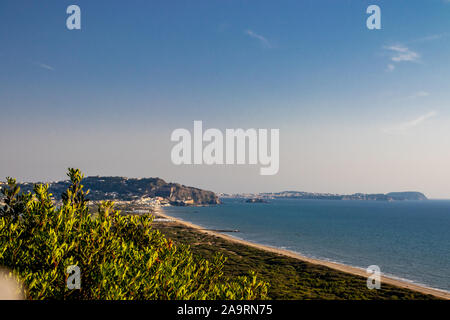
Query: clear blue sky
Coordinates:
[358,110]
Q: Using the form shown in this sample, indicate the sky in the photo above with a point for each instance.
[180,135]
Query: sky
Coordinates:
[358,110]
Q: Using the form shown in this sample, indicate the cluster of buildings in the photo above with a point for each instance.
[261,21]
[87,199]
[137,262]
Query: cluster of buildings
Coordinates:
[157,202]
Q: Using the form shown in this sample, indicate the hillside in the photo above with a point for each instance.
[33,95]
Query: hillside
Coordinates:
[410,195]
[127,189]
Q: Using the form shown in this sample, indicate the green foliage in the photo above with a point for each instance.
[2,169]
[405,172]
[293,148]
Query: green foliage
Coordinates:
[119,256]
[15,202]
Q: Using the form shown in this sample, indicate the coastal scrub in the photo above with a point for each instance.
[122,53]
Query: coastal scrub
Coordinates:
[119,256]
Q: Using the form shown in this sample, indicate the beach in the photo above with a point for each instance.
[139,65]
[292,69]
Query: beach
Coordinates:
[335,266]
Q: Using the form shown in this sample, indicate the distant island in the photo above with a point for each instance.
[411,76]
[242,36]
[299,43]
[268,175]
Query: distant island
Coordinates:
[392,196]
[132,189]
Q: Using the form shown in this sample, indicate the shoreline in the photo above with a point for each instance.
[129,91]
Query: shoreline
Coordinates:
[159,212]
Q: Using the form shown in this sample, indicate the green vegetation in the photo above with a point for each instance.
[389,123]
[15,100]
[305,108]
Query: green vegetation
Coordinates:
[289,278]
[120,257]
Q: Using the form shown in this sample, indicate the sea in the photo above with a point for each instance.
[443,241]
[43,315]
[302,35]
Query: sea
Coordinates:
[408,240]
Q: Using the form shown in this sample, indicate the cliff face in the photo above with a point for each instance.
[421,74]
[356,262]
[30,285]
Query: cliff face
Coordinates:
[198,196]
[120,188]
[409,195]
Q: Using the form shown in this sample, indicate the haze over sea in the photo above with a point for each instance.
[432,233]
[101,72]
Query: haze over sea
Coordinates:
[406,239]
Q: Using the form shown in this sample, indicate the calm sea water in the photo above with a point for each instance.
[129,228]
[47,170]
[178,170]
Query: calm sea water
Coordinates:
[409,240]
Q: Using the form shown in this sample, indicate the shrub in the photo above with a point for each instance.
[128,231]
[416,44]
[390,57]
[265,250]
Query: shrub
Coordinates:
[119,256]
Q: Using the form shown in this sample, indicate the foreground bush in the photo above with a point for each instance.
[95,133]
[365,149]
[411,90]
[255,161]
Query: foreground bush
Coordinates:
[120,257]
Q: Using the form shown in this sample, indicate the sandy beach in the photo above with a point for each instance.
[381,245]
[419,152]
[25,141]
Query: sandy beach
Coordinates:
[341,267]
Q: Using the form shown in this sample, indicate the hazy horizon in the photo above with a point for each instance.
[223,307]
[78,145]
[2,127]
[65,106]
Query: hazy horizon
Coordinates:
[231,193]
[358,110]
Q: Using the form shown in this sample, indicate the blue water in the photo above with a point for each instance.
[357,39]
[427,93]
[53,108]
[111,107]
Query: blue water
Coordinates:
[409,240]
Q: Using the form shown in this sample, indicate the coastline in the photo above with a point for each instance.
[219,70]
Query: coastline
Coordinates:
[159,212]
